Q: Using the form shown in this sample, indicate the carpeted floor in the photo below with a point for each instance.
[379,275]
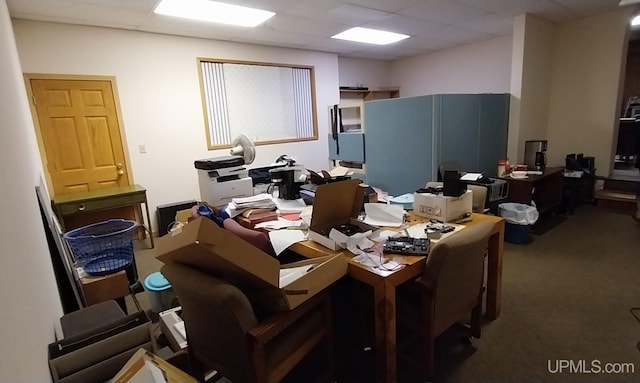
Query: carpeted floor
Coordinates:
[566,306]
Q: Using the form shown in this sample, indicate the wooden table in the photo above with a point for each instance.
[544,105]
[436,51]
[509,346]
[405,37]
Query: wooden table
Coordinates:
[545,189]
[74,203]
[384,285]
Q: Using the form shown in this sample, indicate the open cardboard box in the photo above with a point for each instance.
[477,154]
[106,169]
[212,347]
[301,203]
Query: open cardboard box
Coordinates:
[335,204]
[146,367]
[211,249]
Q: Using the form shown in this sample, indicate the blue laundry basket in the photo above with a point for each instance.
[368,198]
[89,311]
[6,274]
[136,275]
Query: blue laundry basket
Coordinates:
[104,247]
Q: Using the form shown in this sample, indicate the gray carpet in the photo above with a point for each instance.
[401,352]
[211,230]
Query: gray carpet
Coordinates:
[566,299]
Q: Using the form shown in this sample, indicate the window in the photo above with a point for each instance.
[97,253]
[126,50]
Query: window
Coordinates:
[270,103]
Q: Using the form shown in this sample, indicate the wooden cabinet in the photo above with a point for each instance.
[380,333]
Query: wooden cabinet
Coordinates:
[544,190]
[369,94]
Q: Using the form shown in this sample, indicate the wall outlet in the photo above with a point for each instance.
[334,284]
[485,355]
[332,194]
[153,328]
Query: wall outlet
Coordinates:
[142,148]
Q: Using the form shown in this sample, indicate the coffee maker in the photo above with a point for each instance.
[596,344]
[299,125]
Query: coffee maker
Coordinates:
[535,154]
[286,180]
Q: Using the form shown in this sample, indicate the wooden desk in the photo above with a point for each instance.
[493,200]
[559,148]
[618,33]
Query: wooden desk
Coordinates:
[75,203]
[545,190]
[384,285]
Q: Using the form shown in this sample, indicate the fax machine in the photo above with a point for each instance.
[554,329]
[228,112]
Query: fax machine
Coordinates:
[223,178]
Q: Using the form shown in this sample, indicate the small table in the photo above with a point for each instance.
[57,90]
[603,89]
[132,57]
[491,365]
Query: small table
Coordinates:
[121,196]
[384,285]
[544,189]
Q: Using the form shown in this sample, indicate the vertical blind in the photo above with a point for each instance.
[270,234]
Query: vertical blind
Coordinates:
[265,102]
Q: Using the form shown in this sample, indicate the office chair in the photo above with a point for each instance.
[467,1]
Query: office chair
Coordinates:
[226,335]
[448,165]
[450,287]
[479,198]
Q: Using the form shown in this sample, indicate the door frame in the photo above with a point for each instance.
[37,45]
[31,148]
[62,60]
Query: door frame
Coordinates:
[36,123]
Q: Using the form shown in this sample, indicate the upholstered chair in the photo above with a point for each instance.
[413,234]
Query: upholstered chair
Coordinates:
[225,334]
[450,289]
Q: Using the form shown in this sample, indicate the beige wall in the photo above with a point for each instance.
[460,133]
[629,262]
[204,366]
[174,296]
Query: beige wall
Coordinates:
[482,67]
[530,82]
[160,97]
[583,101]
[30,302]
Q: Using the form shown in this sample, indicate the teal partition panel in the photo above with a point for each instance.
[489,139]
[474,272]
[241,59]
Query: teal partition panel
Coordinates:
[494,126]
[458,127]
[398,143]
[351,147]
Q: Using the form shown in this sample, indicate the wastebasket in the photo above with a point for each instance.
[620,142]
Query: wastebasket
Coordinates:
[161,296]
[518,219]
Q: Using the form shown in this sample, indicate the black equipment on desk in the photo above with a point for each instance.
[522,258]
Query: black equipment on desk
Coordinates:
[452,186]
[407,246]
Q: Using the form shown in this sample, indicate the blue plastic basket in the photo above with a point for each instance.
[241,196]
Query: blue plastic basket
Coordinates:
[104,247]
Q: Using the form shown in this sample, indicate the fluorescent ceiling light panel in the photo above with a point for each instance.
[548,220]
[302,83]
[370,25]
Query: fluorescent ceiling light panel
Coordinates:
[213,11]
[635,21]
[370,36]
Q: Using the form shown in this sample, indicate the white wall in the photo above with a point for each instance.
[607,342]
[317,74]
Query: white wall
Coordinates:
[29,295]
[483,67]
[373,74]
[160,97]
[587,65]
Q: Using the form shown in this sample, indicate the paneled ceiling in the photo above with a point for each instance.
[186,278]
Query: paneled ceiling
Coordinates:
[309,24]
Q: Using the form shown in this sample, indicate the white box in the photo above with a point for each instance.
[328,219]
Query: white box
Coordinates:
[168,321]
[442,208]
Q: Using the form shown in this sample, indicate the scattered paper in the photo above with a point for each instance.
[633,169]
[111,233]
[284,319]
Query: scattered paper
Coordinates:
[340,171]
[282,239]
[471,177]
[290,274]
[290,206]
[378,214]
[279,224]
[417,231]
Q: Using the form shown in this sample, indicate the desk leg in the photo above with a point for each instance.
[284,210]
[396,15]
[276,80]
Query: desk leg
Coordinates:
[385,329]
[494,273]
[146,206]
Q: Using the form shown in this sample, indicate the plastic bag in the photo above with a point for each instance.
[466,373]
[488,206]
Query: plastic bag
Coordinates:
[518,213]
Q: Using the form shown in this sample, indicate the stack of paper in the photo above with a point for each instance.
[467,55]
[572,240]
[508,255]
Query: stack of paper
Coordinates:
[259,201]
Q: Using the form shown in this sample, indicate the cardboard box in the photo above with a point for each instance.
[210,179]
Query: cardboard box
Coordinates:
[442,208]
[96,356]
[211,249]
[145,367]
[102,288]
[336,204]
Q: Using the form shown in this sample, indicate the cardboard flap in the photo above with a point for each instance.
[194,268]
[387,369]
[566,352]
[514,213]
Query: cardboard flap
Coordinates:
[204,245]
[336,202]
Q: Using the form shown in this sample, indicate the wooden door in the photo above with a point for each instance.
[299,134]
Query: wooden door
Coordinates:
[79,132]
[80,139]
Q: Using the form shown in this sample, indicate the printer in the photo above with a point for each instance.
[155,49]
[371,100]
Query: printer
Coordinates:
[223,178]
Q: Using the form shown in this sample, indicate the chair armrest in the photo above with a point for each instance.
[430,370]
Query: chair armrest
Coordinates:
[269,328]
[424,285]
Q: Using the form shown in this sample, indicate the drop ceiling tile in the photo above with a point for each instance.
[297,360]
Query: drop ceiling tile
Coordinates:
[385,5]
[442,11]
[490,23]
[403,24]
[304,25]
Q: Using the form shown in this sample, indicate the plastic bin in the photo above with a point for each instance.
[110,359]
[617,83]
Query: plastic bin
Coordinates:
[104,247]
[161,296]
[515,233]
[518,221]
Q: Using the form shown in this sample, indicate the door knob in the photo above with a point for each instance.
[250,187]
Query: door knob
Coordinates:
[119,165]
[120,172]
